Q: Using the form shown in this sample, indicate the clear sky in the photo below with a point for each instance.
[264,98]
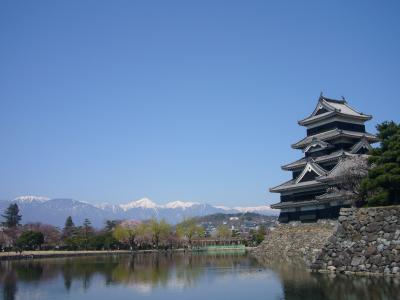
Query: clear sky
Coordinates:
[111,101]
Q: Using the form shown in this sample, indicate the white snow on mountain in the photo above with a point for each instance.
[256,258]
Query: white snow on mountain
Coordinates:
[31,198]
[256,209]
[180,204]
[142,203]
[109,207]
[223,207]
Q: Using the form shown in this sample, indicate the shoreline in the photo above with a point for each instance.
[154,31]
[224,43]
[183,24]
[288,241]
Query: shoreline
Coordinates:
[59,254]
[25,255]
[351,273]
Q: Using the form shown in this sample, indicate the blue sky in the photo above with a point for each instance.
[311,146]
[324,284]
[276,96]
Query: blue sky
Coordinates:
[180,100]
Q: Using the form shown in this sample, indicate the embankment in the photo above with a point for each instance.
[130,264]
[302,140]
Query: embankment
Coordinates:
[364,241]
[295,242]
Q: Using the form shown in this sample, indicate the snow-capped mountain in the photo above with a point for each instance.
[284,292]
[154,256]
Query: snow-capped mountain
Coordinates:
[145,203]
[30,199]
[255,209]
[180,204]
[55,211]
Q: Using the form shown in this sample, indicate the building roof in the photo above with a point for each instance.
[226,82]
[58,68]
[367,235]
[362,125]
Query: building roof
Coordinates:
[288,204]
[321,159]
[332,134]
[311,166]
[322,199]
[316,145]
[332,107]
[344,164]
[292,185]
[333,195]
[363,143]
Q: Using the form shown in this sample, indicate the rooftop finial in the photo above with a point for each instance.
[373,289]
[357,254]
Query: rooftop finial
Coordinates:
[343,98]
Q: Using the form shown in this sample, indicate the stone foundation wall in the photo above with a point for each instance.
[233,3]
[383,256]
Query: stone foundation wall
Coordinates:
[295,242]
[367,240]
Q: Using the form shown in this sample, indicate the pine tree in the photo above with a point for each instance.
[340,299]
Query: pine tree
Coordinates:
[11,216]
[69,227]
[382,185]
[87,231]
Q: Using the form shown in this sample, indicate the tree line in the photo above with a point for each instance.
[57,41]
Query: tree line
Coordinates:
[115,235]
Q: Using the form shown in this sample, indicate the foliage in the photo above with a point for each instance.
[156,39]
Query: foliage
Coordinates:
[30,240]
[11,216]
[110,225]
[103,241]
[69,228]
[189,229]
[73,242]
[159,230]
[223,232]
[382,185]
[87,232]
[115,235]
[143,236]
[257,236]
[52,235]
[126,233]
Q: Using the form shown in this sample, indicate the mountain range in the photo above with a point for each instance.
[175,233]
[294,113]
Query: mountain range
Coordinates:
[55,211]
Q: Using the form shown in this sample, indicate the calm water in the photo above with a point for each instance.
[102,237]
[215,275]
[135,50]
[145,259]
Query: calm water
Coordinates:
[179,276]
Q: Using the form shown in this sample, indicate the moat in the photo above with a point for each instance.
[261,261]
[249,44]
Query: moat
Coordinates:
[180,276]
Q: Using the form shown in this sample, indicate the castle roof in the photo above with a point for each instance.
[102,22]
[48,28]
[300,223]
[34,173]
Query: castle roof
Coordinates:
[332,134]
[327,107]
[316,145]
[288,204]
[363,143]
[344,164]
[321,159]
[292,185]
[334,195]
[310,166]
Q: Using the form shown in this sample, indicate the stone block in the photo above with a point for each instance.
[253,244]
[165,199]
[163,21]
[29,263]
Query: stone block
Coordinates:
[331,268]
[357,260]
[371,250]
[389,228]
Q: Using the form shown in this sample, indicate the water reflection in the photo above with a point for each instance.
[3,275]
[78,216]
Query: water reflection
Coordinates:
[143,271]
[298,283]
[228,275]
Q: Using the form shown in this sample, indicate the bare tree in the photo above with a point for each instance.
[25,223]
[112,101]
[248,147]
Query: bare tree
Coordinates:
[2,240]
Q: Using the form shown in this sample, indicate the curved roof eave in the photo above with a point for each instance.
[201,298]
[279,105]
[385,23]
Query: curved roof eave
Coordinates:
[313,119]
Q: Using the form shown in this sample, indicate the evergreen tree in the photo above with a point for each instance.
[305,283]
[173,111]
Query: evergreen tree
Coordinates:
[87,231]
[110,225]
[69,228]
[382,185]
[30,240]
[11,216]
